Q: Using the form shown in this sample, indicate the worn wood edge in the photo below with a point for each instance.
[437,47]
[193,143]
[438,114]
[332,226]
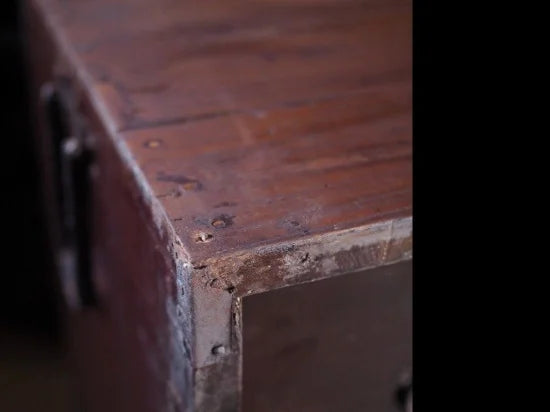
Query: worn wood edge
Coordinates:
[275,266]
[289,263]
[309,259]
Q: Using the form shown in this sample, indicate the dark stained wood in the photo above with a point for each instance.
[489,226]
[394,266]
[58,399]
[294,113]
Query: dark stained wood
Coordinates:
[294,118]
[284,174]
[123,351]
[341,344]
[167,61]
[242,146]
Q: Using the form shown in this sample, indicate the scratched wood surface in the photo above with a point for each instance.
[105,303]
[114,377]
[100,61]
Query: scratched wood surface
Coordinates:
[243,146]
[255,121]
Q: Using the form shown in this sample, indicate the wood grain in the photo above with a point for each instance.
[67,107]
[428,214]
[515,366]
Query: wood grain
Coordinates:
[246,146]
[291,118]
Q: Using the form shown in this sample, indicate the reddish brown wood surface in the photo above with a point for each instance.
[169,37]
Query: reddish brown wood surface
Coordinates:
[284,118]
[243,146]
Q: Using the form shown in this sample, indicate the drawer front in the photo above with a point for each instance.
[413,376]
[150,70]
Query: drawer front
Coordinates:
[341,344]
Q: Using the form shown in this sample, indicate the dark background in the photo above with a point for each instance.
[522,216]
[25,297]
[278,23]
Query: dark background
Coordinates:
[26,298]
[33,376]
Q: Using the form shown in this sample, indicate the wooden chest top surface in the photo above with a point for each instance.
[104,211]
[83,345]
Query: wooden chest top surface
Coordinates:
[253,122]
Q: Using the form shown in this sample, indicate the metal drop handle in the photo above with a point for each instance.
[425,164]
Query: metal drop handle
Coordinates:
[72,158]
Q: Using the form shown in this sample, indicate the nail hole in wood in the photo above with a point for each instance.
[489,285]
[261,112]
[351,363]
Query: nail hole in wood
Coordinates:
[203,237]
[218,223]
[222,221]
[218,350]
[190,186]
[152,144]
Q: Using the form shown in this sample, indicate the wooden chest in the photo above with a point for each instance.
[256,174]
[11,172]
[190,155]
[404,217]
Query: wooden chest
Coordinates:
[230,196]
